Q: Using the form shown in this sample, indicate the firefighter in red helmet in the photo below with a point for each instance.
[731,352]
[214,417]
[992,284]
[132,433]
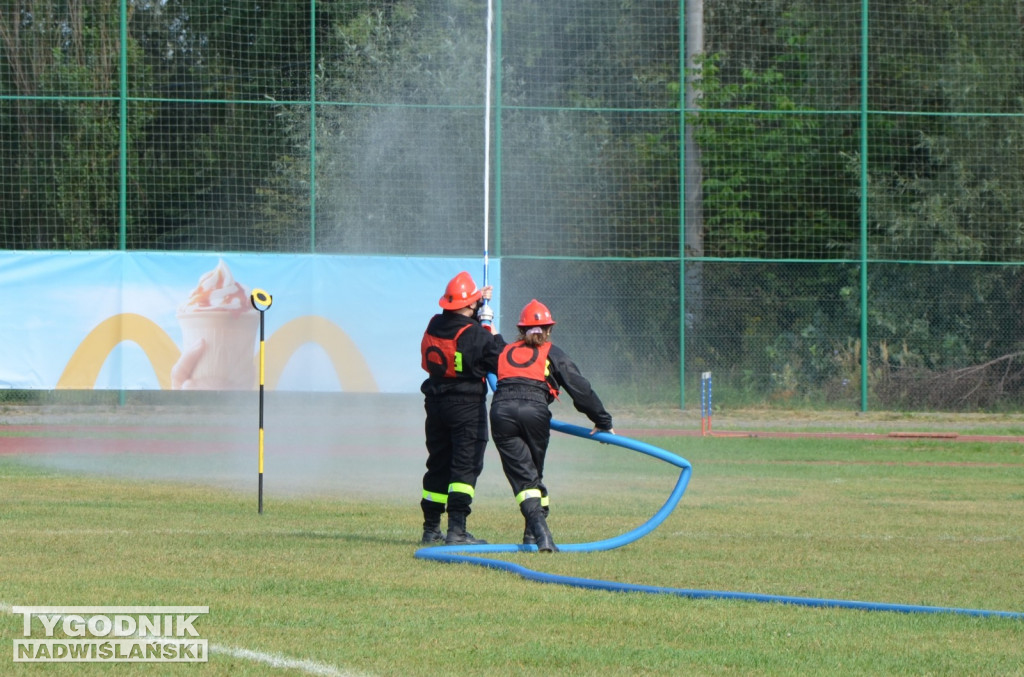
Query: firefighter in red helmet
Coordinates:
[457,352]
[530,372]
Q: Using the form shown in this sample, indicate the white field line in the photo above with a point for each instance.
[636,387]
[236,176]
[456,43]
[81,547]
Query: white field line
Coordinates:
[274,660]
[278,661]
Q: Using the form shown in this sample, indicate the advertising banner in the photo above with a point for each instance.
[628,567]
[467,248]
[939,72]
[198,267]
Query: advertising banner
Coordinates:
[159,320]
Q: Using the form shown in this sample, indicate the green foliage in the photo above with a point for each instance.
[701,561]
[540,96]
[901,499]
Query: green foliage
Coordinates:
[63,152]
[941,187]
[769,174]
[418,77]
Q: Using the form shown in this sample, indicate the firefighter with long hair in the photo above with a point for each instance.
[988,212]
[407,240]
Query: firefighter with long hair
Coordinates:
[531,371]
[458,350]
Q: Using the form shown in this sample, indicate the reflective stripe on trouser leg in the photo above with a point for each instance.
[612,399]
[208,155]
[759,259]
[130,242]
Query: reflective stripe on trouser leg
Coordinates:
[459,487]
[433,506]
[434,497]
[460,496]
[529,493]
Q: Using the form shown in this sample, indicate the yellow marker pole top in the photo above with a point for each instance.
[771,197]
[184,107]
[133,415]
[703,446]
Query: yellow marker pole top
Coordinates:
[259,298]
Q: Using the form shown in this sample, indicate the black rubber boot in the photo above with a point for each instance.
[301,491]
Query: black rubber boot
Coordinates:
[432,535]
[536,526]
[457,534]
[539,527]
[462,537]
[528,537]
[432,523]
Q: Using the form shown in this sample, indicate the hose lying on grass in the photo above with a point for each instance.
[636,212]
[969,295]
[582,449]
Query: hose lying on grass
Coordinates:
[457,554]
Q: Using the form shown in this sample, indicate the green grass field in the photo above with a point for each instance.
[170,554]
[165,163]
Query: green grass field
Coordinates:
[325,582]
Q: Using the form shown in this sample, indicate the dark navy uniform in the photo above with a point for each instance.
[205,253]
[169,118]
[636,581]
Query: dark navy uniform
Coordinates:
[529,379]
[458,353]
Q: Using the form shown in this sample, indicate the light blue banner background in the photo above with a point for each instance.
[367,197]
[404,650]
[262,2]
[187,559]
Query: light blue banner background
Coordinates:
[52,301]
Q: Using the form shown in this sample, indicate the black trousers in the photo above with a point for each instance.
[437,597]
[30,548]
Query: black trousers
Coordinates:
[456,436]
[522,430]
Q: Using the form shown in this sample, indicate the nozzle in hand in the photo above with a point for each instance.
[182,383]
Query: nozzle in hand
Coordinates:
[485,314]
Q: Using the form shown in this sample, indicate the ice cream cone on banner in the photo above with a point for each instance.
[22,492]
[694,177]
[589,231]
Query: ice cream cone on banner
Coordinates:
[219,328]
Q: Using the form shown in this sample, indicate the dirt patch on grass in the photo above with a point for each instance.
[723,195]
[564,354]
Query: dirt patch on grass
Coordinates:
[882,422]
[320,413]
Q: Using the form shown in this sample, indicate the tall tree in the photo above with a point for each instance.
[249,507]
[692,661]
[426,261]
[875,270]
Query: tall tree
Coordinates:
[60,156]
[210,154]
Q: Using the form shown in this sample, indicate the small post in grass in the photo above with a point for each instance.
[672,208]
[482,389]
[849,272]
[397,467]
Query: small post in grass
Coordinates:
[261,301]
[705,403]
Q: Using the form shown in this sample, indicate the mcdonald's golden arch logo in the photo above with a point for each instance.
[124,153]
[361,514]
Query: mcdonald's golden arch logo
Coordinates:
[83,368]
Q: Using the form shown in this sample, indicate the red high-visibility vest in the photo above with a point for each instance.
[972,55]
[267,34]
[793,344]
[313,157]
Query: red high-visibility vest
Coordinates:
[439,356]
[519,360]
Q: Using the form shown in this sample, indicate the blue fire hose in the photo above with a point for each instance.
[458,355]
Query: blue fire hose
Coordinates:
[456,554]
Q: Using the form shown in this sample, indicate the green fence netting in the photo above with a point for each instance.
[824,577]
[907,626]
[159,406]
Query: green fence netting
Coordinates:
[779,192]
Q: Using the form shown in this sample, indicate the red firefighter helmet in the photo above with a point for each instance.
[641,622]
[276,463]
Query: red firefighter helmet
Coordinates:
[535,314]
[460,292]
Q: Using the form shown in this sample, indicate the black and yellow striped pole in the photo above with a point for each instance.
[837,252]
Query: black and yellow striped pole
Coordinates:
[261,300]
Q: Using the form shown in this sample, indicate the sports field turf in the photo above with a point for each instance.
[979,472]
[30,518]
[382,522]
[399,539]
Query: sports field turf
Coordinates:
[324,582]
